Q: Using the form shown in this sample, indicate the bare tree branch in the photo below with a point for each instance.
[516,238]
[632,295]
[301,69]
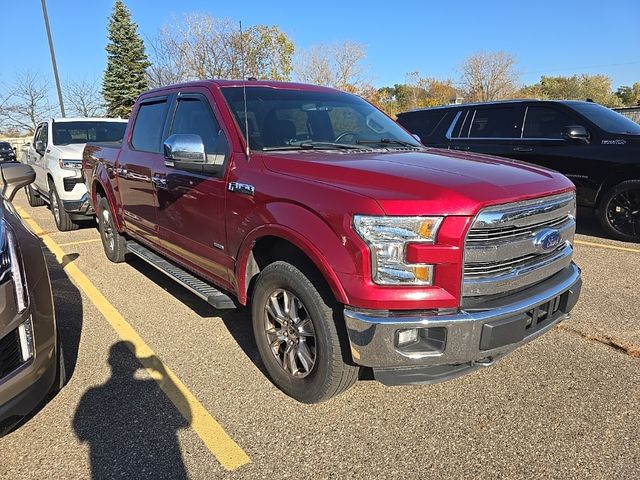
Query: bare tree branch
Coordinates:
[489,76]
[84,98]
[337,65]
[28,102]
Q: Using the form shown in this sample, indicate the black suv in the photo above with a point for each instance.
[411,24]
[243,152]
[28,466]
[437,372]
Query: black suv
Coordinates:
[597,148]
[7,153]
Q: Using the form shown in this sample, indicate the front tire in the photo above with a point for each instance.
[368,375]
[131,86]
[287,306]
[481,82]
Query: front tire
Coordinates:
[297,332]
[60,215]
[619,211]
[33,199]
[114,243]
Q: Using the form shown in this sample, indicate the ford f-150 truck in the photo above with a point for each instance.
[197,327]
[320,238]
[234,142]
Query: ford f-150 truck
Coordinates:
[357,249]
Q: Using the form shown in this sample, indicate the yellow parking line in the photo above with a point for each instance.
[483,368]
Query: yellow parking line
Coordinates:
[68,244]
[603,245]
[228,452]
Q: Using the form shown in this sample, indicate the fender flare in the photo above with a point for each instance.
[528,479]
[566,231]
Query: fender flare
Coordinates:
[101,177]
[309,248]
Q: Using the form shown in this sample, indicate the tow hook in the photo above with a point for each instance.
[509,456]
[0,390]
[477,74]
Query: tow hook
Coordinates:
[483,362]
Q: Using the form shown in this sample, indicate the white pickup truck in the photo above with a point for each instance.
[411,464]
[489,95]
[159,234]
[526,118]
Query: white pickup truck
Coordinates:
[55,154]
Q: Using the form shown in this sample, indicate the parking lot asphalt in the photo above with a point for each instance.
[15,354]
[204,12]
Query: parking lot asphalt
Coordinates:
[193,401]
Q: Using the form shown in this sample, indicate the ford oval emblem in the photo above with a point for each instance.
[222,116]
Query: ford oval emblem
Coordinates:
[547,239]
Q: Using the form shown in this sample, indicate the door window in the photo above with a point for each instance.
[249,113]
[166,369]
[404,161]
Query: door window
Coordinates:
[147,131]
[43,134]
[545,122]
[493,123]
[194,116]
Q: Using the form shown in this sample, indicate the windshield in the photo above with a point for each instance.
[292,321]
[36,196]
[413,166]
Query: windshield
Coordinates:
[607,119]
[65,133]
[282,119]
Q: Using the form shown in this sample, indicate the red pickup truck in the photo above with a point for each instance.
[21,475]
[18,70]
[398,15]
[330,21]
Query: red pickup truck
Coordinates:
[357,249]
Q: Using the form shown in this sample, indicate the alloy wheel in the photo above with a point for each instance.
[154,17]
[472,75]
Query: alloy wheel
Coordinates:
[290,333]
[623,212]
[107,229]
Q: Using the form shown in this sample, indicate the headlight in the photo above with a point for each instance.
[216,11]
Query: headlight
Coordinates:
[387,238]
[70,164]
[10,265]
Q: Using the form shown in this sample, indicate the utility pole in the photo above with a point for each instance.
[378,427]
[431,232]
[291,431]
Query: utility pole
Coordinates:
[53,56]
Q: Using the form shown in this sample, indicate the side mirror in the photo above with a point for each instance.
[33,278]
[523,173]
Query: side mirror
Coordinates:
[575,132]
[15,176]
[39,146]
[184,147]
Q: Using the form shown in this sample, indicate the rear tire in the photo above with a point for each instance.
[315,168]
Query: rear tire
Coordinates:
[113,242]
[619,211]
[298,333]
[60,215]
[33,199]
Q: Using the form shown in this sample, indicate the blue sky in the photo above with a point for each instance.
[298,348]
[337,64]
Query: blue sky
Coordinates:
[547,37]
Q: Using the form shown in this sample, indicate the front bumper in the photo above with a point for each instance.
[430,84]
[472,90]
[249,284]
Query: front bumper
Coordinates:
[79,208]
[473,337]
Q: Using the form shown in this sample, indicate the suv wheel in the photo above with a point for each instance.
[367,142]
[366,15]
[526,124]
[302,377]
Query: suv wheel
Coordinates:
[619,211]
[33,198]
[114,243]
[298,335]
[60,215]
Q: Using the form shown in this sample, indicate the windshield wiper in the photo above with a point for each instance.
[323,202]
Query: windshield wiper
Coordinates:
[316,146]
[390,141]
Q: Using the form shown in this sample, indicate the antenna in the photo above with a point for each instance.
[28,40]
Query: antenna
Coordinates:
[244,95]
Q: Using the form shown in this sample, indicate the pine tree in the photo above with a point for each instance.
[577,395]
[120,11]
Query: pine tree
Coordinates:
[125,77]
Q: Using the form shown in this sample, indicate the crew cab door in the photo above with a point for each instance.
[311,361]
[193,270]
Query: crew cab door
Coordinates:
[191,201]
[37,160]
[542,144]
[138,159]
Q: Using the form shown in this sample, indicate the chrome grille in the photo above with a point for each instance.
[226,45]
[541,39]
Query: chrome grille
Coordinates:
[503,252]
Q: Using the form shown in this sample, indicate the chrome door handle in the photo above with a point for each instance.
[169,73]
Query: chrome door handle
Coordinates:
[522,149]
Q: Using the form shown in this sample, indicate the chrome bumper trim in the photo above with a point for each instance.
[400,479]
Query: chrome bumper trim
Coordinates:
[81,207]
[372,334]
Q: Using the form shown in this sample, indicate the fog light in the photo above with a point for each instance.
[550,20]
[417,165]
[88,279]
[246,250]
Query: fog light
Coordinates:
[407,337]
[25,332]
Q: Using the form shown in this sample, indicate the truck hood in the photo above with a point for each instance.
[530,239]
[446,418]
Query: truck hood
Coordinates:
[73,151]
[426,182]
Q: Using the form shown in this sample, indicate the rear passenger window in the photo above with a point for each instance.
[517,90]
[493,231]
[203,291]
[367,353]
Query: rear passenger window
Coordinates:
[493,123]
[147,131]
[545,122]
[461,128]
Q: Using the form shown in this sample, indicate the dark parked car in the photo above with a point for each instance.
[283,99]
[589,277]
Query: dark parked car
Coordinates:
[31,362]
[7,153]
[597,148]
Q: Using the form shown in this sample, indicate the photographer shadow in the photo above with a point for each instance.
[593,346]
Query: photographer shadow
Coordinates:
[130,424]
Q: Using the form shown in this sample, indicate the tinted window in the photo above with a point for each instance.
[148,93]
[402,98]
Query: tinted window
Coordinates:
[194,116]
[493,123]
[423,123]
[607,119]
[147,130]
[546,122]
[65,133]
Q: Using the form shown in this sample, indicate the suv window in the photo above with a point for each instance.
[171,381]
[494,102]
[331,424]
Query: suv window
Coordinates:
[424,122]
[194,116]
[461,129]
[147,131]
[493,123]
[43,134]
[545,122]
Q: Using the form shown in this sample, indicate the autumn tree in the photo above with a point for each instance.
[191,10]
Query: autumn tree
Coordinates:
[575,87]
[487,76]
[200,46]
[125,77]
[83,98]
[629,96]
